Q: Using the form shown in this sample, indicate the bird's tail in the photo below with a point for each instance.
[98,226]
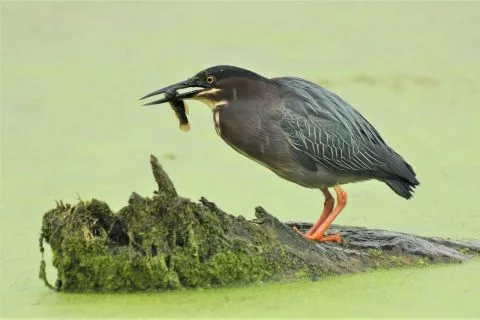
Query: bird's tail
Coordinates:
[401,187]
[404,179]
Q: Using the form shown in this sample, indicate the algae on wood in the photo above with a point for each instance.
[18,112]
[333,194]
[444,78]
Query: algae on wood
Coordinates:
[167,242]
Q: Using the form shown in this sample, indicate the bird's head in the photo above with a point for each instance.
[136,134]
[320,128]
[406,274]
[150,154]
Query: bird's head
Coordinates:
[212,86]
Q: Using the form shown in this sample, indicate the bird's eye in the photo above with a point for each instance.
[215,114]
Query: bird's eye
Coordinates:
[211,79]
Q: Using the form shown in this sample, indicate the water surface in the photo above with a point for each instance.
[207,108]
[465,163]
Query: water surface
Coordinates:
[72,128]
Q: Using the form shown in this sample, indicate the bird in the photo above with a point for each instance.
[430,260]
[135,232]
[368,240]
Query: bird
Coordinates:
[301,131]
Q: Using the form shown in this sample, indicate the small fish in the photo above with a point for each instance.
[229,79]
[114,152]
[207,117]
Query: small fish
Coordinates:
[180,109]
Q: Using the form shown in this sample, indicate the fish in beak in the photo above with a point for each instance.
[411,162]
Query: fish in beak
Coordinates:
[175,99]
[191,83]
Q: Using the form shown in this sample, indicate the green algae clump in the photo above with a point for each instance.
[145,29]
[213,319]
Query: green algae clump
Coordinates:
[151,244]
[158,243]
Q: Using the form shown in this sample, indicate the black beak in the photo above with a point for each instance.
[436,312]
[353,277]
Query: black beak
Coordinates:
[190,83]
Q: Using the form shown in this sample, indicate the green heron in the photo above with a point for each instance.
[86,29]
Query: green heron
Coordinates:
[299,130]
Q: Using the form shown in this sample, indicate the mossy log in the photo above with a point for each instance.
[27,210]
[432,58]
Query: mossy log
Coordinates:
[167,242]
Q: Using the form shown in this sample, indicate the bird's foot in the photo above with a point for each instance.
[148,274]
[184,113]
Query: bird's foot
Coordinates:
[323,238]
[330,238]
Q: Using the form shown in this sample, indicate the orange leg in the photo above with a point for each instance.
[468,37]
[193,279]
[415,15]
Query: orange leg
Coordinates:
[318,234]
[327,208]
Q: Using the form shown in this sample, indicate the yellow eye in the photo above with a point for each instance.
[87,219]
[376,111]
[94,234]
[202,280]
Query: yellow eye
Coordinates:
[211,79]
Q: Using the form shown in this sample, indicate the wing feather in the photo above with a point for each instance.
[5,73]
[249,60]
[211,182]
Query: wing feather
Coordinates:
[326,142]
[311,96]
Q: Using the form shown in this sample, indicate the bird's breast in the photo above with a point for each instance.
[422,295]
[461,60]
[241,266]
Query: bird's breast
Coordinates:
[251,133]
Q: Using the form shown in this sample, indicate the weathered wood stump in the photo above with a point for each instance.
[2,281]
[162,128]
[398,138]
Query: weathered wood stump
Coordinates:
[167,242]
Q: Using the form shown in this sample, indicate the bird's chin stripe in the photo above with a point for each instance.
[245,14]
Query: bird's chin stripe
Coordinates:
[208,93]
[216,120]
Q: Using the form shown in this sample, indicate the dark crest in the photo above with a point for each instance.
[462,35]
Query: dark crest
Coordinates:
[224,71]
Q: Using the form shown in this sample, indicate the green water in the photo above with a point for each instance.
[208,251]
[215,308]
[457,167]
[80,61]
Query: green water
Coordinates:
[72,127]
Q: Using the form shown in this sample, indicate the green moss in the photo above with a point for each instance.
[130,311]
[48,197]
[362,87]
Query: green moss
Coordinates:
[421,262]
[157,244]
[375,252]
[396,260]
[302,274]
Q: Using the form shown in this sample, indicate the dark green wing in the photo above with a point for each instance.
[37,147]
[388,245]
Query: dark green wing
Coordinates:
[316,140]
